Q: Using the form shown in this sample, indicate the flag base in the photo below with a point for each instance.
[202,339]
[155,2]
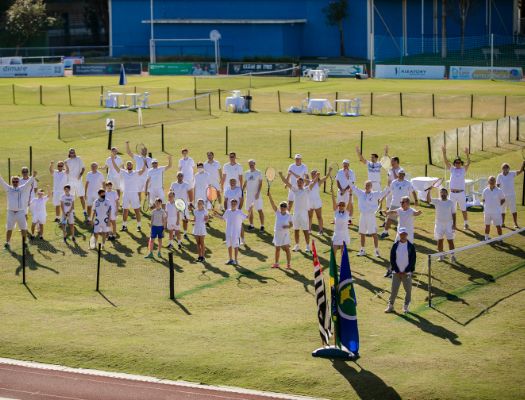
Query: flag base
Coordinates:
[333,352]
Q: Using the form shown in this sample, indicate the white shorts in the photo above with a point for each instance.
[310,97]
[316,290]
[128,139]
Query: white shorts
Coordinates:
[56,198]
[300,221]
[70,219]
[443,229]
[459,199]
[491,218]
[113,213]
[339,237]
[172,226]
[281,238]
[232,240]
[346,197]
[101,227]
[38,219]
[155,193]
[315,203]
[257,204]
[410,236]
[77,188]
[16,218]
[510,203]
[130,200]
[367,223]
[91,199]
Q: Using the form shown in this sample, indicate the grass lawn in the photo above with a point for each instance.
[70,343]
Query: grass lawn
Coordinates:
[252,326]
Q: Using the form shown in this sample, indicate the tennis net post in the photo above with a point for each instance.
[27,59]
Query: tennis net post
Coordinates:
[162,137]
[30,159]
[429,146]
[290,143]
[23,260]
[172,276]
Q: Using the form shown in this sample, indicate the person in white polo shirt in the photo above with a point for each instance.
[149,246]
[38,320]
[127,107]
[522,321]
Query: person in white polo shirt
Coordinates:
[458,170]
[202,183]
[187,167]
[443,223]
[155,181]
[493,199]
[297,170]
[373,167]
[252,185]
[16,206]
[345,178]
[94,182]
[505,181]
[232,170]
[59,181]
[113,174]
[183,191]
[213,168]
[30,194]
[76,169]
[140,160]
[406,216]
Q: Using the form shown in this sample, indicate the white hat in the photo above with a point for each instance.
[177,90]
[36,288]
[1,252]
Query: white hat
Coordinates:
[402,230]
[345,161]
[298,156]
[154,161]
[401,171]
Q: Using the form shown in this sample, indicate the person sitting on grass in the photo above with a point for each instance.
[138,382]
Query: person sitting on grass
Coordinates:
[233,218]
[281,231]
[158,224]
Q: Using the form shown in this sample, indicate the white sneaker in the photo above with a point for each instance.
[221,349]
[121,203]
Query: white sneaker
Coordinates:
[441,258]
[361,252]
[405,308]
[296,248]
[389,308]
[376,253]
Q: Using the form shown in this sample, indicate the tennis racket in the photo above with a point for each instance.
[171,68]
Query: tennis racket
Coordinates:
[334,167]
[270,176]
[212,194]
[92,242]
[180,205]
[59,228]
[145,203]
[385,162]
[140,148]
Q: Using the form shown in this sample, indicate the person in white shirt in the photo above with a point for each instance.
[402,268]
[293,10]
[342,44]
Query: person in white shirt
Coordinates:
[373,168]
[38,213]
[76,168]
[183,191]
[232,170]
[345,179]
[252,186]
[297,170]
[234,192]
[399,188]
[213,168]
[300,217]
[67,203]
[493,199]
[200,218]
[314,202]
[113,198]
[113,175]
[233,218]
[172,221]
[30,194]
[94,182]
[368,201]
[187,167]
[406,216]
[391,175]
[155,181]
[281,232]
[15,206]
[505,181]
[130,182]
[140,160]
[458,170]
[443,223]
[341,234]
[100,219]
[59,181]
[202,181]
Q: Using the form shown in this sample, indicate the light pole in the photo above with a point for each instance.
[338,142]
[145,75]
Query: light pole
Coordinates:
[152,58]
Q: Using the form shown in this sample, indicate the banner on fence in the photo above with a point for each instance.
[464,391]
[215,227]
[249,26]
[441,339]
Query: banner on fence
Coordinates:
[502,73]
[195,69]
[410,71]
[337,70]
[238,68]
[106,69]
[10,60]
[35,70]
[70,61]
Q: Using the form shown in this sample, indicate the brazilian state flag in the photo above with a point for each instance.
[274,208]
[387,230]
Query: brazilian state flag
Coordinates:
[347,306]
[334,284]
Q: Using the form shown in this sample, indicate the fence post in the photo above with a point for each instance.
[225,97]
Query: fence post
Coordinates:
[371,103]
[290,144]
[58,117]
[226,141]
[361,143]
[433,106]
[110,138]
[469,137]
[279,100]
[518,128]
[308,95]
[471,106]
[426,169]
[30,159]
[13,90]
[9,169]
[69,94]
[429,146]
[523,192]
[220,105]
[401,103]
[24,260]
[209,104]
[497,133]
[162,136]
[98,267]
[429,263]
[457,142]
[325,172]
[41,99]
[482,136]
[336,98]
[172,276]
[505,106]
[168,96]
[510,123]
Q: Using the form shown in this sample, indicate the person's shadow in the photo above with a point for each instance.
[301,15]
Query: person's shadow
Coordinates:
[428,327]
[366,384]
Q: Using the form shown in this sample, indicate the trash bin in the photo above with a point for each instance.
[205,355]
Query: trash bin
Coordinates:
[248,103]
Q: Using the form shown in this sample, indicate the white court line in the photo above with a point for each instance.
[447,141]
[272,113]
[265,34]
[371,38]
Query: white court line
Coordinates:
[149,379]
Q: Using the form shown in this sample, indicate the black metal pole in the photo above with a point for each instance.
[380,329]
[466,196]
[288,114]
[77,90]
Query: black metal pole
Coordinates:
[290,144]
[13,91]
[325,172]
[69,94]
[517,128]
[471,106]
[510,126]
[226,141]
[469,137]
[433,106]
[58,120]
[523,192]
[172,276]
[497,133]
[30,159]
[426,169]
[162,136]
[9,169]
[98,266]
[429,262]
[505,106]
[41,99]
[371,103]
[220,105]
[279,100]
[24,260]
[110,138]
[457,142]
[361,143]
[429,146]
[401,103]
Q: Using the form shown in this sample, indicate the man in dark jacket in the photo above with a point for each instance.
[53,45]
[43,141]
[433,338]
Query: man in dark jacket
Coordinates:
[403,263]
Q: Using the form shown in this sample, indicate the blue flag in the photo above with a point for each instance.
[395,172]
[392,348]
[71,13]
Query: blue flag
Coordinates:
[122,79]
[347,306]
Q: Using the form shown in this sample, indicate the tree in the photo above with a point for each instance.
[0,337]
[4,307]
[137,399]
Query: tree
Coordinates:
[25,18]
[336,11]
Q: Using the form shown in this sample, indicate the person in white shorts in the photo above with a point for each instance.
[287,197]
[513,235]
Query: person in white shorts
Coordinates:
[297,170]
[315,202]
[300,216]
[232,170]
[67,204]
[187,167]
[173,221]
[234,192]
[130,181]
[233,218]
[345,179]
[373,167]
[38,213]
[443,222]
[399,188]
[183,191]
[155,181]
[76,168]
[30,194]
[368,201]
[252,186]
[140,160]
[341,234]
[100,219]
[493,199]
[200,218]
[406,216]
[458,170]
[281,232]
[202,183]
[94,182]
[113,175]
[213,168]
[59,181]
[15,206]
[113,198]
[505,181]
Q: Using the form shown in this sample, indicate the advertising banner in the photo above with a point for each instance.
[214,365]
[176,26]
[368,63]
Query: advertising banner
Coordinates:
[238,68]
[501,73]
[336,70]
[70,61]
[195,69]
[106,69]
[31,70]
[410,71]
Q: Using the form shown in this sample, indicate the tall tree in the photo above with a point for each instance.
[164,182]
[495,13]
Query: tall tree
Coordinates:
[26,18]
[336,11]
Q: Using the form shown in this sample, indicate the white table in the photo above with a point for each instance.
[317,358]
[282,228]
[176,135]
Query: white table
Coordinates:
[318,75]
[420,184]
[114,99]
[319,105]
[235,102]
[133,98]
[350,107]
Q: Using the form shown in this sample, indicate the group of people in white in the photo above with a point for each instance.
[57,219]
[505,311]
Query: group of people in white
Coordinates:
[126,182]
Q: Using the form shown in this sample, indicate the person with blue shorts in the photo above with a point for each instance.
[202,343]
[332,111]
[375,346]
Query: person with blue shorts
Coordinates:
[158,224]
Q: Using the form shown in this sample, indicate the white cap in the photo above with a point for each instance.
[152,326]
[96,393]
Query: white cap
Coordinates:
[154,161]
[298,156]
[345,161]
[402,230]
[401,171]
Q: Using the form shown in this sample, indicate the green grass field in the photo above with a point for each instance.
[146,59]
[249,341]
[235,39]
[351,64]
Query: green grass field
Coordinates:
[252,326]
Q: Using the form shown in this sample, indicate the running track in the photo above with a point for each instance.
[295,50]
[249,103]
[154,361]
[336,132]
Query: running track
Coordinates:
[33,381]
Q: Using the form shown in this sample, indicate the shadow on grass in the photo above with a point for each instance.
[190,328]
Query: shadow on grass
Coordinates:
[105,298]
[246,273]
[428,327]
[248,251]
[296,276]
[181,306]
[367,385]
[30,291]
